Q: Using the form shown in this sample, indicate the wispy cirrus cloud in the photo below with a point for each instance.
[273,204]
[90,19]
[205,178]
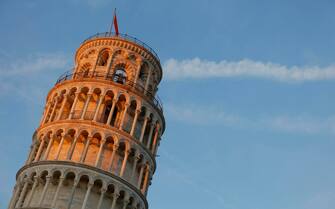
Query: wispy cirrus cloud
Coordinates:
[213,115]
[33,64]
[197,68]
[29,77]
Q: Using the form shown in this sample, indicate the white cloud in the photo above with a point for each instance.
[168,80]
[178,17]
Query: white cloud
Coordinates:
[197,69]
[34,64]
[212,115]
[29,77]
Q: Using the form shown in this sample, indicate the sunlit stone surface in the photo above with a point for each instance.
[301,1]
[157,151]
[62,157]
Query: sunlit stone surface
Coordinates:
[96,144]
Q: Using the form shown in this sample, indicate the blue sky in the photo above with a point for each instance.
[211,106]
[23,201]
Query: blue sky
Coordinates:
[248,94]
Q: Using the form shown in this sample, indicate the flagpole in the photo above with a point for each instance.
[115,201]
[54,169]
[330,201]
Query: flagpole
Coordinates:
[111,26]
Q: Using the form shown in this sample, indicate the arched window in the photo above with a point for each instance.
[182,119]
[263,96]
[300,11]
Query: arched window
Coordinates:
[120,75]
[143,72]
[103,58]
[84,71]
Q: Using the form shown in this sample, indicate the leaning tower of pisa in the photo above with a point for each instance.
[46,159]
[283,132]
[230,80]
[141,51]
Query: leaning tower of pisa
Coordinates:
[97,140]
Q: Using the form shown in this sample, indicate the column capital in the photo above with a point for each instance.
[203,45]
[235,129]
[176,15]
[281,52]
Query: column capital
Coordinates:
[53,135]
[103,141]
[45,137]
[127,151]
[75,182]
[76,135]
[90,184]
[57,98]
[142,165]
[137,156]
[116,194]
[38,179]
[147,166]
[103,189]
[47,179]
[126,201]
[147,114]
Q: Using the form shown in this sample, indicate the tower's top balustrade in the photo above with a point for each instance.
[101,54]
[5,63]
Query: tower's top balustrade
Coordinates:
[123,37]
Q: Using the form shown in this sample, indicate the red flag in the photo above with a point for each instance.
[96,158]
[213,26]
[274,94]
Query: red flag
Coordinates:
[115,25]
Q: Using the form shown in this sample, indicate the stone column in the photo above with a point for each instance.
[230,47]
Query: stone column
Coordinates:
[144,127]
[136,159]
[139,64]
[101,98]
[89,187]
[109,64]
[125,202]
[124,162]
[75,183]
[87,143]
[155,139]
[115,196]
[156,148]
[88,99]
[123,115]
[60,183]
[146,178]
[44,190]
[60,145]
[150,135]
[22,194]
[53,109]
[102,194]
[115,147]
[32,153]
[15,195]
[40,148]
[111,112]
[46,113]
[133,126]
[148,80]
[102,144]
[62,108]
[146,188]
[74,105]
[140,177]
[73,145]
[51,141]
[32,191]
